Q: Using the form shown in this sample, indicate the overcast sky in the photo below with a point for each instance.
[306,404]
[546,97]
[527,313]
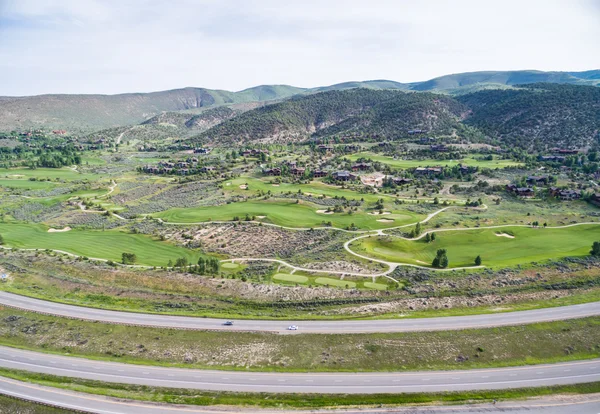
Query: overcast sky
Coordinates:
[113,46]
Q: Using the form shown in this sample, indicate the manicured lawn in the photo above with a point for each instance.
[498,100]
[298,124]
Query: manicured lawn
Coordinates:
[315,188]
[64,173]
[286,277]
[334,282]
[404,164]
[230,265]
[377,286]
[26,184]
[285,213]
[528,245]
[108,244]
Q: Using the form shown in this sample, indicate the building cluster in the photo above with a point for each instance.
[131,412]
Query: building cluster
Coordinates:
[180,167]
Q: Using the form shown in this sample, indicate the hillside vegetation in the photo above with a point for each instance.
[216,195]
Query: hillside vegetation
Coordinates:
[537,115]
[355,111]
[531,116]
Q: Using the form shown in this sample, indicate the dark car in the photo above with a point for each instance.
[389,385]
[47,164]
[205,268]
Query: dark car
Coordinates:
[228,323]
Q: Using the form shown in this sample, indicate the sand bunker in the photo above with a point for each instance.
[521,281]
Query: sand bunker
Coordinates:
[377,213]
[228,184]
[505,235]
[275,185]
[15,175]
[385,220]
[59,230]
[244,187]
[261,217]
[324,212]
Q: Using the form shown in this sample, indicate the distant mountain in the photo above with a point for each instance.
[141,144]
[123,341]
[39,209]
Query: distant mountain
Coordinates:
[502,78]
[94,112]
[348,112]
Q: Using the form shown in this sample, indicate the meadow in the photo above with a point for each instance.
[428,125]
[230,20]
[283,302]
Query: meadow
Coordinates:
[405,164]
[109,244]
[525,245]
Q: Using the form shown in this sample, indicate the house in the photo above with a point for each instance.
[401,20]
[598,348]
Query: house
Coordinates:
[551,158]
[361,166]
[520,191]
[343,176]
[428,170]
[466,169]
[415,131]
[402,180]
[272,171]
[201,150]
[319,173]
[324,148]
[537,180]
[207,169]
[297,170]
[568,194]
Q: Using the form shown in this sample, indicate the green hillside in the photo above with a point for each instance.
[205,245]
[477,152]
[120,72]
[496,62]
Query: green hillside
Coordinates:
[354,111]
[537,116]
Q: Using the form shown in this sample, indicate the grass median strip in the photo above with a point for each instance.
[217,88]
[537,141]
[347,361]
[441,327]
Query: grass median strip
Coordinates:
[475,348]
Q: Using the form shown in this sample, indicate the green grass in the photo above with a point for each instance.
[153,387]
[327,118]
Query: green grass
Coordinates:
[94,243]
[285,213]
[405,164]
[230,265]
[376,286]
[529,245]
[278,401]
[64,173]
[327,281]
[286,277]
[26,184]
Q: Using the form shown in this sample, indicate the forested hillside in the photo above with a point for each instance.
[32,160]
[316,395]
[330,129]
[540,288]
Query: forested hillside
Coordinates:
[355,111]
[537,115]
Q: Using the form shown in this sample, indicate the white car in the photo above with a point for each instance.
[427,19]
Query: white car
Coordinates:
[293,328]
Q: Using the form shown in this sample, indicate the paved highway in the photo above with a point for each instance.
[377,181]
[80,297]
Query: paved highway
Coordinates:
[342,326]
[103,405]
[353,383]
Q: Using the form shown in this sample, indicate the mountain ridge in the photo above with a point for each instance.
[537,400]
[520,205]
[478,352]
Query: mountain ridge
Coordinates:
[98,111]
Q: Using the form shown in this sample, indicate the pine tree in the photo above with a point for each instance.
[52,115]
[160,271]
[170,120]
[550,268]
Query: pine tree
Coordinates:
[478,261]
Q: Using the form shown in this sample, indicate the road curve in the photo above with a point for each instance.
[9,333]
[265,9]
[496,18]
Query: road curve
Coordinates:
[105,405]
[321,383]
[314,326]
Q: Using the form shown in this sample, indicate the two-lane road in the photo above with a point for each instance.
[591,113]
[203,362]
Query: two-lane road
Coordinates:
[322,383]
[338,327]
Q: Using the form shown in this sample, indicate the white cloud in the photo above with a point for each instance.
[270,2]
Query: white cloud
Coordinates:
[87,46]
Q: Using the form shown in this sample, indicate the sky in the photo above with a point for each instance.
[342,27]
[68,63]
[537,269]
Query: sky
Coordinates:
[117,46]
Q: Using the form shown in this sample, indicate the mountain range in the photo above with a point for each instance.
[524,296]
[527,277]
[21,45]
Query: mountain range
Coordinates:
[77,113]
